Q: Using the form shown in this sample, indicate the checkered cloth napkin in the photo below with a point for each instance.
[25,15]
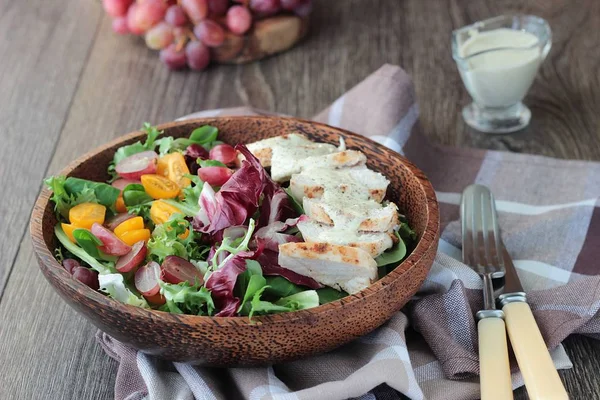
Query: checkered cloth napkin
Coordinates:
[550,224]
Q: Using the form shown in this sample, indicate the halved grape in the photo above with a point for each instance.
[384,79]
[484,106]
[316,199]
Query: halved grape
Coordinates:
[197,10]
[210,33]
[133,259]
[146,279]
[70,264]
[134,166]
[176,270]
[198,55]
[116,220]
[215,176]
[122,183]
[112,244]
[159,36]
[172,58]
[239,20]
[176,16]
[116,8]
[86,276]
[224,153]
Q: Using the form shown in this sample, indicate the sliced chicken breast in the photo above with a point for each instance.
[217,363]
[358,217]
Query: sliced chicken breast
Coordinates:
[370,215]
[340,267]
[359,182]
[341,159]
[373,243]
[284,154]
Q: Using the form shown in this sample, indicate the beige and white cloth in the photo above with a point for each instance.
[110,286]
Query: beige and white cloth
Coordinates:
[549,213]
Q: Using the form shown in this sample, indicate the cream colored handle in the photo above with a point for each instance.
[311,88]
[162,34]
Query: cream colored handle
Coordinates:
[493,360]
[540,376]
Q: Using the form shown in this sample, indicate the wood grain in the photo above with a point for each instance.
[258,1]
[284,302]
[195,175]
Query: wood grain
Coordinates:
[39,71]
[121,84]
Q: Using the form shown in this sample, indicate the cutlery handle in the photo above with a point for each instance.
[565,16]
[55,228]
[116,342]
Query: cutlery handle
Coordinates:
[493,360]
[541,378]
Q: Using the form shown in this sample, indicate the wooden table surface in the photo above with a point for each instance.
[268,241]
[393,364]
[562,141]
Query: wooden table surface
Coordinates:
[68,84]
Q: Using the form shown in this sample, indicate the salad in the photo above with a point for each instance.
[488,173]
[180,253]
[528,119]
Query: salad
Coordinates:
[196,226]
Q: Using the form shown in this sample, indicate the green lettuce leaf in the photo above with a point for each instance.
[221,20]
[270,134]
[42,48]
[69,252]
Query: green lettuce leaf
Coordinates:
[69,192]
[204,136]
[294,302]
[327,295]
[393,255]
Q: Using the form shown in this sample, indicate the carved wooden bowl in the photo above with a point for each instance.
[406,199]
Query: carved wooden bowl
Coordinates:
[237,341]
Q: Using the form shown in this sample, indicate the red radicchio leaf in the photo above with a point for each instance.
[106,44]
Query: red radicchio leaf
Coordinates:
[222,281]
[271,236]
[192,153]
[275,206]
[238,198]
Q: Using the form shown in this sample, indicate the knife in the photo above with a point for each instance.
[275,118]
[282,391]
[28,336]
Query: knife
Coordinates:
[541,378]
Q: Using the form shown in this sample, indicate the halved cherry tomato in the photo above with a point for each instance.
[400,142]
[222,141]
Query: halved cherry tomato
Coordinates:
[173,166]
[120,204]
[157,299]
[129,225]
[159,187]
[160,212]
[84,215]
[68,229]
[132,237]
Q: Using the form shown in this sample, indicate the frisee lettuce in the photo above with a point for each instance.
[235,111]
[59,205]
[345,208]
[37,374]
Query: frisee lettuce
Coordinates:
[184,298]
[167,240]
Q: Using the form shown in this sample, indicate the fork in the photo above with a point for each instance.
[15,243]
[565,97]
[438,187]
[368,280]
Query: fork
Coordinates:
[481,251]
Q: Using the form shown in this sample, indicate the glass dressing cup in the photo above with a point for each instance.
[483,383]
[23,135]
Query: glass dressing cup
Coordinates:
[498,59]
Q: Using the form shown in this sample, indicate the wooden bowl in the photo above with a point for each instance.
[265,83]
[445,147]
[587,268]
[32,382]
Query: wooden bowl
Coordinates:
[237,341]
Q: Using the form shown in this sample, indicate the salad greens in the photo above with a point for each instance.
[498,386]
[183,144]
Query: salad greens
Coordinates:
[166,239]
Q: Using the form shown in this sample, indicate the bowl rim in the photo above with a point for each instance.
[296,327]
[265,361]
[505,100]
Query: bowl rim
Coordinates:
[43,253]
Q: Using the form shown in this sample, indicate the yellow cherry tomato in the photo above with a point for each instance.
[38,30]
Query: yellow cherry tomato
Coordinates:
[159,187]
[173,166]
[131,224]
[132,237]
[120,204]
[160,212]
[68,229]
[85,214]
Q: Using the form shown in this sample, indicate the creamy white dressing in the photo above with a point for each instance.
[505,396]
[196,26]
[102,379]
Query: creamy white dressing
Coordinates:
[502,75]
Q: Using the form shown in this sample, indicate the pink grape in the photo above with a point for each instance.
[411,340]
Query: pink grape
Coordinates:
[116,8]
[239,20]
[197,10]
[176,16]
[218,7]
[264,7]
[289,4]
[172,58]
[119,25]
[159,36]
[86,276]
[210,33]
[144,15]
[304,9]
[198,55]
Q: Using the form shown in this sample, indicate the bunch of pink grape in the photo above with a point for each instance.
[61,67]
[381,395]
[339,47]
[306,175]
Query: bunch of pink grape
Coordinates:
[185,30]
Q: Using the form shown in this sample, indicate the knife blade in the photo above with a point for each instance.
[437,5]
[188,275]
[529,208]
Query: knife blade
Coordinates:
[512,283]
